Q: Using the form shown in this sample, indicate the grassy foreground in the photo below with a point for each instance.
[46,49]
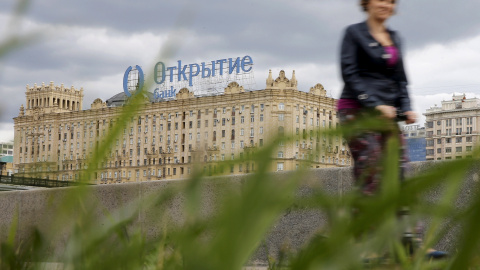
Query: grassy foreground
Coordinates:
[243,216]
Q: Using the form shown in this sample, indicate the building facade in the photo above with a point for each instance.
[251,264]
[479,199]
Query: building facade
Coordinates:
[415,141]
[452,129]
[6,165]
[6,149]
[54,137]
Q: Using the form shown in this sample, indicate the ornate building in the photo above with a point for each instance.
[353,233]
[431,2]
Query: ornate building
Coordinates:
[452,129]
[54,137]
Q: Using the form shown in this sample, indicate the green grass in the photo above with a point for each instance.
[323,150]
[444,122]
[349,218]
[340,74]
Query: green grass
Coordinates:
[245,213]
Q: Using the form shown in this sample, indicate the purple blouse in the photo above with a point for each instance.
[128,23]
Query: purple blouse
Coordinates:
[393,52]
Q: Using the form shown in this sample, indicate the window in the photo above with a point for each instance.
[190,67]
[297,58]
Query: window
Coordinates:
[280,166]
[468,139]
[448,140]
[448,122]
[252,132]
[280,154]
[281,117]
[448,150]
[281,106]
[439,150]
[458,139]
[458,149]
[261,130]
[469,148]
[469,120]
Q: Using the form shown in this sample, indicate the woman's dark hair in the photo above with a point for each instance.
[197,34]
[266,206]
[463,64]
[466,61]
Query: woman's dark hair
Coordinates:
[363,4]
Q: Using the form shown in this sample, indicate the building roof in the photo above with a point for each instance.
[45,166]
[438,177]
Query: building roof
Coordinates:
[7,159]
[120,99]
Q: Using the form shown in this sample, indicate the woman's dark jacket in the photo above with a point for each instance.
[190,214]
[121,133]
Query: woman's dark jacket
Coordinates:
[367,77]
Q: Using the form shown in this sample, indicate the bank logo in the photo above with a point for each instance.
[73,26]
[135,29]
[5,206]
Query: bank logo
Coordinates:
[133,79]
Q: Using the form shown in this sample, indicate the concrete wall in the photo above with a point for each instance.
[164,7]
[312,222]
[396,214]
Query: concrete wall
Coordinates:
[46,209]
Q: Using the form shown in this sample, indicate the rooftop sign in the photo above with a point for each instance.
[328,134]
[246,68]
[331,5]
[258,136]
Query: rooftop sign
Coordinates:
[201,77]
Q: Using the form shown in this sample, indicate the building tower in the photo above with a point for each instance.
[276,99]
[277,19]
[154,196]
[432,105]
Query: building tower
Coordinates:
[51,98]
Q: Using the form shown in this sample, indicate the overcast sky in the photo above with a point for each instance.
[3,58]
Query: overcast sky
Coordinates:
[90,43]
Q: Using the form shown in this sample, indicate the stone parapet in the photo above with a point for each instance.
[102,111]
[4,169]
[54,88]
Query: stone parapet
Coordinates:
[40,207]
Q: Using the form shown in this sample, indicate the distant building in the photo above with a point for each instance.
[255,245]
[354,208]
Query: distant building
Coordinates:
[6,149]
[54,137]
[452,130]
[6,165]
[416,143]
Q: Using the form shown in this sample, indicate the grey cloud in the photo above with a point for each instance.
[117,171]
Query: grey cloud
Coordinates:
[275,33]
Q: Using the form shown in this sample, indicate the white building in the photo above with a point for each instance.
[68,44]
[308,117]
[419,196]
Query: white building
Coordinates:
[452,129]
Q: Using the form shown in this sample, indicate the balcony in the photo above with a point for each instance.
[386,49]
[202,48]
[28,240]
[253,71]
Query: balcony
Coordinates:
[152,153]
[213,149]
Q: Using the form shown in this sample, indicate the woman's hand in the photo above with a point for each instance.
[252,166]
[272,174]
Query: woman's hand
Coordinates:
[388,112]
[411,117]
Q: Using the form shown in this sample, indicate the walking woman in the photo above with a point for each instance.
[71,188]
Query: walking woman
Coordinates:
[375,84]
